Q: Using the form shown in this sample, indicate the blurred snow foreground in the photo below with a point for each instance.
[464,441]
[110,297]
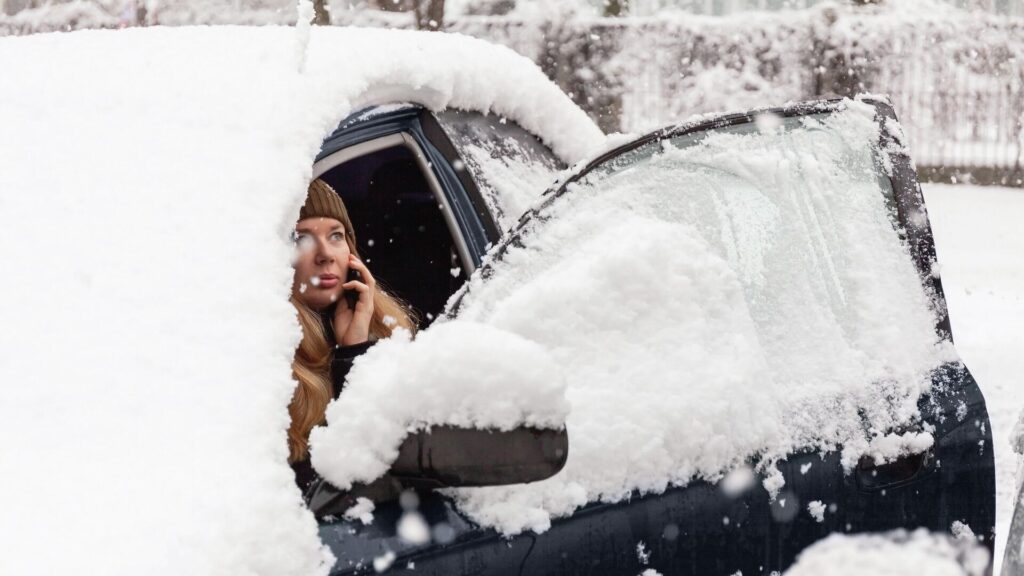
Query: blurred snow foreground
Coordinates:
[147,336]
[895,553]
[148,182]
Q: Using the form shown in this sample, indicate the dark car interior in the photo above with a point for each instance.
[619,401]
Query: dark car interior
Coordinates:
[400,229]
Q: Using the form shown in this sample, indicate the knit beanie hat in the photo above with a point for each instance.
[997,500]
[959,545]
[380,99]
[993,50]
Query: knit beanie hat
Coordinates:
[322,201]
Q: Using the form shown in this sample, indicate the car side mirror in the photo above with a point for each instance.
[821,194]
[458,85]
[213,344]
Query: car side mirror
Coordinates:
[448,457]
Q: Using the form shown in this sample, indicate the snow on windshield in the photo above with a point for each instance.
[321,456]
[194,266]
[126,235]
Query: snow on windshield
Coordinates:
[148,182]
[717,300]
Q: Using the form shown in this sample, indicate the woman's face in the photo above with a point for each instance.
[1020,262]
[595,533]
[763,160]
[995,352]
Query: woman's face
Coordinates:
[321,261]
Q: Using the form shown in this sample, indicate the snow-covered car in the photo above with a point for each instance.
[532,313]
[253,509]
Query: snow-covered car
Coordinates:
[704,527]
[738,319]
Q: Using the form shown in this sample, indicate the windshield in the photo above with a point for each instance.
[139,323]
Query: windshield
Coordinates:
[774,132]
[799,207]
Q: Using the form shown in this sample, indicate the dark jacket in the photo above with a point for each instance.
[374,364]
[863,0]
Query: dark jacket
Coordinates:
[341,361]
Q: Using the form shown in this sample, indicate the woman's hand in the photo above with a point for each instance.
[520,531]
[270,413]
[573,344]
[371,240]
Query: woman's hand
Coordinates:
[352,325]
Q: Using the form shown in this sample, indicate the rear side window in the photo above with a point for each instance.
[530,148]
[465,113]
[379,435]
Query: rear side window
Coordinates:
[511,166]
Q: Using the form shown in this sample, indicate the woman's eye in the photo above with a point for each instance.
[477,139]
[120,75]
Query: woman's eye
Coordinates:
[338,236]
[303,242]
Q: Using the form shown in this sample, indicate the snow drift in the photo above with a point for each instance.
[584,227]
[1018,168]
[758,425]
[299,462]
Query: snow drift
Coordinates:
[893,554]
[148,179]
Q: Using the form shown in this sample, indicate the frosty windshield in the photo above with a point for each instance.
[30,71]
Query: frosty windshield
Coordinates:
[789,132]
[788,202]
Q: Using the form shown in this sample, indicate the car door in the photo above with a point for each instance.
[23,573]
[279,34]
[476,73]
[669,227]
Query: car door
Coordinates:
[702,526]
[705,527]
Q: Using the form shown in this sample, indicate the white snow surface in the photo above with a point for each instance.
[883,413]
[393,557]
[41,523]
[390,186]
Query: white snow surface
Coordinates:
[744,297]
[895,553]
[981,250]
[148,181]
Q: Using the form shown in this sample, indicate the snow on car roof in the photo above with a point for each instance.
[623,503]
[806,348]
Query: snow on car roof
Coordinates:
[148,179]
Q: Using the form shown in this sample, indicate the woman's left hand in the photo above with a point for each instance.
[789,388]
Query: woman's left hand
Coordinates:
[352,325]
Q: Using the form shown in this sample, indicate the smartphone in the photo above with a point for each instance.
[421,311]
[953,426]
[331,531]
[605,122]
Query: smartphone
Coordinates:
[352,296]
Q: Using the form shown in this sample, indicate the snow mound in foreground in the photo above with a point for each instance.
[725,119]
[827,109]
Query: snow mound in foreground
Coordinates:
[895,553]
[148,181]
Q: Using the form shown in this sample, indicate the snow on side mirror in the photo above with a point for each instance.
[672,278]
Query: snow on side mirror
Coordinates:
[493,403]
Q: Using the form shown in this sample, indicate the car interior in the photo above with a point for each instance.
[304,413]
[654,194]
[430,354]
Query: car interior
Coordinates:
[400,230]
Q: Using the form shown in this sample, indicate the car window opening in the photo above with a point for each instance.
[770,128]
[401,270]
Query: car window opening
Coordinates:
[400,228]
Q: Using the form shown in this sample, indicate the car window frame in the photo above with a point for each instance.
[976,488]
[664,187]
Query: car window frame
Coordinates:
[404,140]
[505,129]
[471,225]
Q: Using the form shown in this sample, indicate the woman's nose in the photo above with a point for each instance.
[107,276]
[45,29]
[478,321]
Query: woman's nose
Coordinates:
[323,255]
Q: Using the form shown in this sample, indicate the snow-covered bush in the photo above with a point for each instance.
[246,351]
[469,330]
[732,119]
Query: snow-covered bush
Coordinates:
[956,77]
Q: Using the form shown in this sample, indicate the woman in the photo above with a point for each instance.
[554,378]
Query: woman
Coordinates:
[341,315]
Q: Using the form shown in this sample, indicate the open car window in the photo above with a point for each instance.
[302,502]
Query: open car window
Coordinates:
[404,235]
[511,166]
[735,294]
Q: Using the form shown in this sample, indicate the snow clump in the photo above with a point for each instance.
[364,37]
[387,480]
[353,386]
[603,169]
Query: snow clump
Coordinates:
[817,510]
[362,510]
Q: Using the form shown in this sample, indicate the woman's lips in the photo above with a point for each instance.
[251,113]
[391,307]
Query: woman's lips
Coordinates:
[325,281]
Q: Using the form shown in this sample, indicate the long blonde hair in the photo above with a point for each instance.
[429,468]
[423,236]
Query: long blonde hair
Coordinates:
[311,367]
